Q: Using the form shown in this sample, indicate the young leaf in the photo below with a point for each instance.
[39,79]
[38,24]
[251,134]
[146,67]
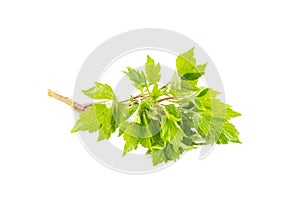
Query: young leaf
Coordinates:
[170,131]
[186,66]
[230,113]
[173,112]
[155,94]
[152,71]
[131,143]
[87,121]
[146,143]
[158,156]
[99,91]
[228,134]
[172,153]
[120,112]
[137,77]
[182,88]
[107,121]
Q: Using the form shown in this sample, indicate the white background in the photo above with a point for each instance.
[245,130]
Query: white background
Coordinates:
[255,46]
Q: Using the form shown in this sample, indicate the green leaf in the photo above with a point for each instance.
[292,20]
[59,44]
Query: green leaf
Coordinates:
[173,112]
[131,143]
[214,124]
[137,77]
[207,93]
[210,127]
[175,85]
[87,121]
[96,118]
[144,106]
[171,131]
[157,142]
[190,124]
[182,88]
[140,130]
[146,142]
[141,123]
[99,91]
[152,71]
[186,66]
[172,153]
[107,121]
[189,85]
[177,139]
[120,112]
[203,92]
[158,156]
[201,68]
[228,134]
[132,109]
[230,113]
[155,94]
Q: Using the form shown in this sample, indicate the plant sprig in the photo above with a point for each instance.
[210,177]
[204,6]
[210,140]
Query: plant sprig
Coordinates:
[167,120]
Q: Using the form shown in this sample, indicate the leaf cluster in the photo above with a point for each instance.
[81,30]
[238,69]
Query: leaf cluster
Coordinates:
[167,120]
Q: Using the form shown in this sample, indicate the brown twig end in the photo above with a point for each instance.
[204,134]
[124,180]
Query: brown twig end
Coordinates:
[50,93]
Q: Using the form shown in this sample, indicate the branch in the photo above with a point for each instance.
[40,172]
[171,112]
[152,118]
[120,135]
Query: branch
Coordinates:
[76,106]
[135,97]
[141,95]
[166,98]
[82,107]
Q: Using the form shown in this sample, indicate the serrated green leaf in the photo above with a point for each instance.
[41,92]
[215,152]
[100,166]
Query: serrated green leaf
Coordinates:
[228,134]
[168,129]
[203,92]
[182,88]
[173,112]
[175,85]
[120,112]
[157,142]
[144,105]
[186,66]
[230,113]
[177,140]
[207,93]
[107,121]
[189,85]
[171,153]
[132,109]
[158,156]
[146,142]
[140,124]
[99,91]
[140,130]
[155,94]
[152,71]
[87,121]
[214,123]
[137,77]
[187,57]
[201,68]
[171,131]
[131,143]
[96,118]
[191,119]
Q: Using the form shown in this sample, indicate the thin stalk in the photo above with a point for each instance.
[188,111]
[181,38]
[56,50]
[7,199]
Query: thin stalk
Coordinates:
[166,98]
[82,107]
